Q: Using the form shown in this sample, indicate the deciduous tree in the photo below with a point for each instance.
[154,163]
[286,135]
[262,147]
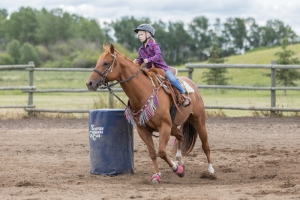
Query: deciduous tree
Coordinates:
[14,51]
[29,53]
[22,26]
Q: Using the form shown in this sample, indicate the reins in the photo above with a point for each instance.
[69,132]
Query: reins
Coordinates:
[112,84]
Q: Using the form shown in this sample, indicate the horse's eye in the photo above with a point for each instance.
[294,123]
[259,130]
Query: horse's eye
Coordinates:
[106,63]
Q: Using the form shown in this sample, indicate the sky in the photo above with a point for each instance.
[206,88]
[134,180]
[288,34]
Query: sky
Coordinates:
[287,11]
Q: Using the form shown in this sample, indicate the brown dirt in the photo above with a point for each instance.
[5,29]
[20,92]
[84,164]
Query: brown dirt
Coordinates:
[254,158]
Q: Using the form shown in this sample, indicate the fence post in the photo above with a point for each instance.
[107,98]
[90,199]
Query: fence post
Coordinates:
[111,100]
[30,83]
[273,85]
[190,73]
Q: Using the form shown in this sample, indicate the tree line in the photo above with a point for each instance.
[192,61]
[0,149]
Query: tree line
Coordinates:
[54,38]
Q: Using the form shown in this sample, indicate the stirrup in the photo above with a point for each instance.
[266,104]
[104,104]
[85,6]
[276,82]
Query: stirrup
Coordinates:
[187,101]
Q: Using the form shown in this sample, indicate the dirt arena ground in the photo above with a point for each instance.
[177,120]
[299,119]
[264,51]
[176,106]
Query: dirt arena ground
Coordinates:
[254,158]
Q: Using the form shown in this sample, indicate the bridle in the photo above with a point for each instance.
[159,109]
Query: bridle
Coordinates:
[104,74]
[103,82]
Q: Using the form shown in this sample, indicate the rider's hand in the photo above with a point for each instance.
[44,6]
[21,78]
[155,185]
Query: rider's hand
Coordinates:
[135,62]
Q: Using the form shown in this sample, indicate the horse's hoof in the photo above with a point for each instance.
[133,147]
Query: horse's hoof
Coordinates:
[179,171]
[210,169]
[155,179]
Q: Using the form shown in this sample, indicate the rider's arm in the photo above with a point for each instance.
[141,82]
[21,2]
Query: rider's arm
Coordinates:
[139,60]
[157,54]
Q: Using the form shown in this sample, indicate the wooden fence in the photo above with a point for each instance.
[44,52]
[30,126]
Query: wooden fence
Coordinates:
[190,68]
[272,87]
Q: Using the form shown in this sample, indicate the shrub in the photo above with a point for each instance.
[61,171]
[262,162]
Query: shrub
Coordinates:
[6,59]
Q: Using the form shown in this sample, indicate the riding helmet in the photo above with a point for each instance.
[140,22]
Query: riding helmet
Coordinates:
[145,27]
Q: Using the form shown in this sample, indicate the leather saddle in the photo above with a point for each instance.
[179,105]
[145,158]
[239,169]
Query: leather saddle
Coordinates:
[160,76]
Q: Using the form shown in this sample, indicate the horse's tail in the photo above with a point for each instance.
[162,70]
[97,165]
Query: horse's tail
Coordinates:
[189,137]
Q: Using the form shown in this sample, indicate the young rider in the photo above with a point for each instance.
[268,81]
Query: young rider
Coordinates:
[150,53]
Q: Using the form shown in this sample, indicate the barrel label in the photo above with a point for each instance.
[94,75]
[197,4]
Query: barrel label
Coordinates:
[96,132]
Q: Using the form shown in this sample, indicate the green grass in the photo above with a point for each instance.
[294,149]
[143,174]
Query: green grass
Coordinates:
[95,100]
[261,56]
[248,77]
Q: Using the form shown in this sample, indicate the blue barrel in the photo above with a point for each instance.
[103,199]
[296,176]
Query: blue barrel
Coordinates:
[111,142]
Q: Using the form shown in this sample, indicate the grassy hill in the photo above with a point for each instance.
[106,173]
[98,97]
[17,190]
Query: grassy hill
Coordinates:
[261,55]
[249,77]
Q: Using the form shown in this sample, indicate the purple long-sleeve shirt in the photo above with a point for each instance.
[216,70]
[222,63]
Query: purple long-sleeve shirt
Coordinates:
[152,52]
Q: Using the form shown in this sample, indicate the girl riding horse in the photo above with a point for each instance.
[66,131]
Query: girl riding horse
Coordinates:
[150,54]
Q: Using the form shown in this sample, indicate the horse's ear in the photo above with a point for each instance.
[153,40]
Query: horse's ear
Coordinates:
[112,49]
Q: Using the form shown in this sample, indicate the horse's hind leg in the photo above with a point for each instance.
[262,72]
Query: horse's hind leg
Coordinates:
[179,137]
[199,123]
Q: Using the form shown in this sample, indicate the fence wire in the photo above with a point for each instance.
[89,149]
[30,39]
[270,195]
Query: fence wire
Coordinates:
[66,90]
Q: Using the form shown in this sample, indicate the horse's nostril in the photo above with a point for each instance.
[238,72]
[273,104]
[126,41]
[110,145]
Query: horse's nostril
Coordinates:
[89,83]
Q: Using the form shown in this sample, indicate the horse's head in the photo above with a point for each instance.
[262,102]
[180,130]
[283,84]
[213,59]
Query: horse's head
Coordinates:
[105,70]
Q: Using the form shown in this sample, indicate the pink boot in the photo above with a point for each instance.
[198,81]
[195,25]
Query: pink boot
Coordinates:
[179,171]
[155,178]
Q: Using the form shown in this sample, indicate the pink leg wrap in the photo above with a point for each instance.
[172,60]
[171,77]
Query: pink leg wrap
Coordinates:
[155,177]
[179,171]
[173,142]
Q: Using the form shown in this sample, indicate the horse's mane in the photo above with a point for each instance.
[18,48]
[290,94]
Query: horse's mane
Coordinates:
[106,49]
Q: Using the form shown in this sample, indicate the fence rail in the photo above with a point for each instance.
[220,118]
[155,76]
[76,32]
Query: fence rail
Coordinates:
[272,89]
[190,69]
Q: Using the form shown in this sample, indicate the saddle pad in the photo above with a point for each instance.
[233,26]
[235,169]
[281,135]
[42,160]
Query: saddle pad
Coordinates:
[188,88]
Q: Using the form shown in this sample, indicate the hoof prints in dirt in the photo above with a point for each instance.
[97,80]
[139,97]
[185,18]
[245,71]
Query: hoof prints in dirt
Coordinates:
[288,185]
[50,160]
[208,175]
[24,184]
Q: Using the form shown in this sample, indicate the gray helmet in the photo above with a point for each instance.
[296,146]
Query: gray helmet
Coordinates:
[145,27]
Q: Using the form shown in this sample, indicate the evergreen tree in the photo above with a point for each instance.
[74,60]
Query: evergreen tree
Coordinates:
[215,76]
[13,49]
[286,77]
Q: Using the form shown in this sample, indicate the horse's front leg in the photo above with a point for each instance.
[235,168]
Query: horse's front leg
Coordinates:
[146,136]
[164,136]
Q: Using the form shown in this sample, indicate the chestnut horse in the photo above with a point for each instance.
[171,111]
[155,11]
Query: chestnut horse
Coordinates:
[143,96]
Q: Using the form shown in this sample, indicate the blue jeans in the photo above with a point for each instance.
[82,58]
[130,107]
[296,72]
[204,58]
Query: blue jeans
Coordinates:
[174,81]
